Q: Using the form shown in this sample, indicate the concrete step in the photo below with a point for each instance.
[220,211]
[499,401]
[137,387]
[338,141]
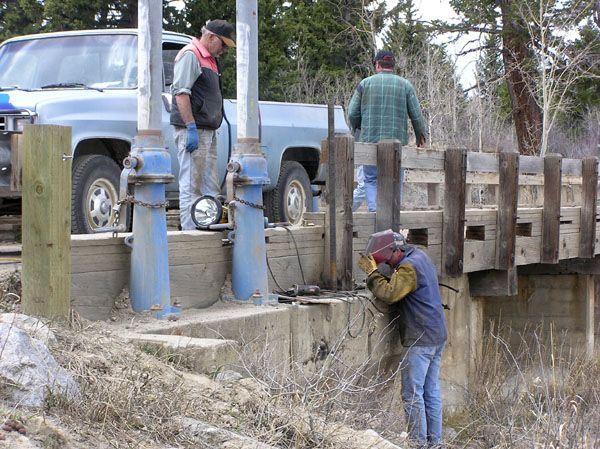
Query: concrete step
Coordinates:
[201,355]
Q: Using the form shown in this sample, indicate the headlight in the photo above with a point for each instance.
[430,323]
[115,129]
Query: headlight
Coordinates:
[206,211]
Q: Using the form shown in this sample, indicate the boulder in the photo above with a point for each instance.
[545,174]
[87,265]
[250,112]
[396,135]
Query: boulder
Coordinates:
[28,371]
[35,327]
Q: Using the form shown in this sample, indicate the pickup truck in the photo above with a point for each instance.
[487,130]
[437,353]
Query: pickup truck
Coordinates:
[88,80]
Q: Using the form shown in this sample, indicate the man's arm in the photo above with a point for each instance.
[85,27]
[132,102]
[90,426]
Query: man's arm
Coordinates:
[185,107]
[416,116]
[402,282]
[185,73]
[354,115]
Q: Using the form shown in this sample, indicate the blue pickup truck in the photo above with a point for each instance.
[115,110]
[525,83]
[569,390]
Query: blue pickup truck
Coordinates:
[88,80]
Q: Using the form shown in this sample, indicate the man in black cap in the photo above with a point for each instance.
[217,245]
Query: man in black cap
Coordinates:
[197,112]
[380,107]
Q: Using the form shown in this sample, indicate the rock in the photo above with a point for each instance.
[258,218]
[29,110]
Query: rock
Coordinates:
[218,437]
[33,326]
[28,371]
[228,376]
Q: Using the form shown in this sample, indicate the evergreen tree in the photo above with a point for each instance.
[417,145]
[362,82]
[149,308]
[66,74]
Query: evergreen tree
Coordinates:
[19,17]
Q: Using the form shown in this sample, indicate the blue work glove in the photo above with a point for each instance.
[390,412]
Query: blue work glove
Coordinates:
[192,137]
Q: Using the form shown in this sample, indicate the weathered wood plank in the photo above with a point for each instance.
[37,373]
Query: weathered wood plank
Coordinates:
[16,161]
[587,242]
[454,211]
[507,210]
[344,154]
[46,252]
[551,215]
[388,185]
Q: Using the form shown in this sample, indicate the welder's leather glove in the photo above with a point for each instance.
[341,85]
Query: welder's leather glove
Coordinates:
[192,137]
[367,264]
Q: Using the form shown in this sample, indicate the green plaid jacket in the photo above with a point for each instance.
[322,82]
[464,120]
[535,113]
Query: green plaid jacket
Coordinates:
[381,106]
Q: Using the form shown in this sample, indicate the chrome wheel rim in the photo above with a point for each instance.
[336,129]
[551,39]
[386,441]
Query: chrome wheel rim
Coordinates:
[100,199]
[295,202]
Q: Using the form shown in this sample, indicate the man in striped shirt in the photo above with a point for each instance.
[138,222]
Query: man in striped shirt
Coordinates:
[381,107]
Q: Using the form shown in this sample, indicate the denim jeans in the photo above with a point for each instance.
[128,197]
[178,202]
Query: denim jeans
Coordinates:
[370,185]
[197,172]
[420,370]
[358,196]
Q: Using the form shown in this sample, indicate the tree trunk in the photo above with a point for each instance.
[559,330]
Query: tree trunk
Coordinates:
[525,110]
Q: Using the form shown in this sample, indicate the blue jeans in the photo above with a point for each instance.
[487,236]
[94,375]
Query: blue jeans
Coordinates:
[370,185]
[358,196]
[421,394]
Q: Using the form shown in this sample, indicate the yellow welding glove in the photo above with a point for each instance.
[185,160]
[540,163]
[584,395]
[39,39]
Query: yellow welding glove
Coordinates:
[367,264]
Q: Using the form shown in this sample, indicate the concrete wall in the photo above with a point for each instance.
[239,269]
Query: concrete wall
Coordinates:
[199,263]
[544,302]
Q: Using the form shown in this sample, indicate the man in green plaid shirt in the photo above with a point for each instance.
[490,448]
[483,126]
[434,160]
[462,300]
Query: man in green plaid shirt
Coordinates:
[380,108]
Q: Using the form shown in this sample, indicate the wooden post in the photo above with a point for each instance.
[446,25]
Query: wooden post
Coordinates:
[47,221]
[589,286]
[551,215]
[455,168]
[587,227]
[388,185]
[508,167]
[344,163]
[331,193]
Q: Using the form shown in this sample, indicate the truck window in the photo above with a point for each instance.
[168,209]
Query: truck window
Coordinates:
[169,53]
[105,61]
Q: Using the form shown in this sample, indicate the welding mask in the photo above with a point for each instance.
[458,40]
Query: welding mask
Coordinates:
[381,245]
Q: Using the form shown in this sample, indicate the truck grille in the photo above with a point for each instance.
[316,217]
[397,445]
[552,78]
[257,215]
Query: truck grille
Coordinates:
[2,123]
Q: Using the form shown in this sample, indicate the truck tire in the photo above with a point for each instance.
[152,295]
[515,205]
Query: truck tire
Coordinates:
[292,195]
[95,190]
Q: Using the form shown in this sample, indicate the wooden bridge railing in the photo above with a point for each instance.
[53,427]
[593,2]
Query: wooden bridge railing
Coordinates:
[478,211]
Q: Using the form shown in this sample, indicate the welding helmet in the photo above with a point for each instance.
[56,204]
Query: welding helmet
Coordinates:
[382,245]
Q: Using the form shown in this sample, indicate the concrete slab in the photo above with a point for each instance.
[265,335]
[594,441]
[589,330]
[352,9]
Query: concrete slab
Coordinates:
[201,355]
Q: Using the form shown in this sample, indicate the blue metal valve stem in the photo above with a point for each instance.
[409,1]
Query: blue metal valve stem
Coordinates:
[249,273]
[149,276]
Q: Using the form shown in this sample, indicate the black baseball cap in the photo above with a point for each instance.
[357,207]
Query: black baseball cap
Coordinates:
[385,55]
[224,30]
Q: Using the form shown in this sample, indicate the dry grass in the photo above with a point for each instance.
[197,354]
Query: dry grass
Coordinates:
[539,393]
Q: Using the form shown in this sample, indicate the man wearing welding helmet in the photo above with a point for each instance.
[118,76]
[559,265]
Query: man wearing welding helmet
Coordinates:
[413,287]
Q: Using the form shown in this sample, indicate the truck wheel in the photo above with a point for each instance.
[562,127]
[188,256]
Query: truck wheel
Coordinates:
[94,192]
[290,198]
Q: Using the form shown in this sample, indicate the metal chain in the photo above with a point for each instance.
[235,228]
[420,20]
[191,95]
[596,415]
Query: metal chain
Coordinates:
[248,203]
[131,200]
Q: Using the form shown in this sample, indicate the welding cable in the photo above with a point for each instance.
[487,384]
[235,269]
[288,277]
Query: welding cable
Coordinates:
[273,276]
[297,253]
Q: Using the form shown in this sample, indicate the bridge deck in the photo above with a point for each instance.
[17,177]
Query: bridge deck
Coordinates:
[472,211]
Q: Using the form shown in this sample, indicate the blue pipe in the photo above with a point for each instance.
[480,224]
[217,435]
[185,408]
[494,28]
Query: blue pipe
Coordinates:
[149,287]
[249,270]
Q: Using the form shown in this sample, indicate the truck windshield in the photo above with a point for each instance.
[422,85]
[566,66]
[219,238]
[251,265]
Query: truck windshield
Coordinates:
[98,61]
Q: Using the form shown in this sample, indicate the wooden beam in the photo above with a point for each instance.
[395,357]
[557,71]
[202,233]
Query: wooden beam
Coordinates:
[565,266]
[589,286]
[16,161]
[388,185]
[551,215]
[344,166]
[587,229]
[508,166]
[494,282]
[46,221]
[454,211]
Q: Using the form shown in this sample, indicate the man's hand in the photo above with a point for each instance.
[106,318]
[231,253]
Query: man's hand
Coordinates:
[421,141]
[192,137]
[367,264]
